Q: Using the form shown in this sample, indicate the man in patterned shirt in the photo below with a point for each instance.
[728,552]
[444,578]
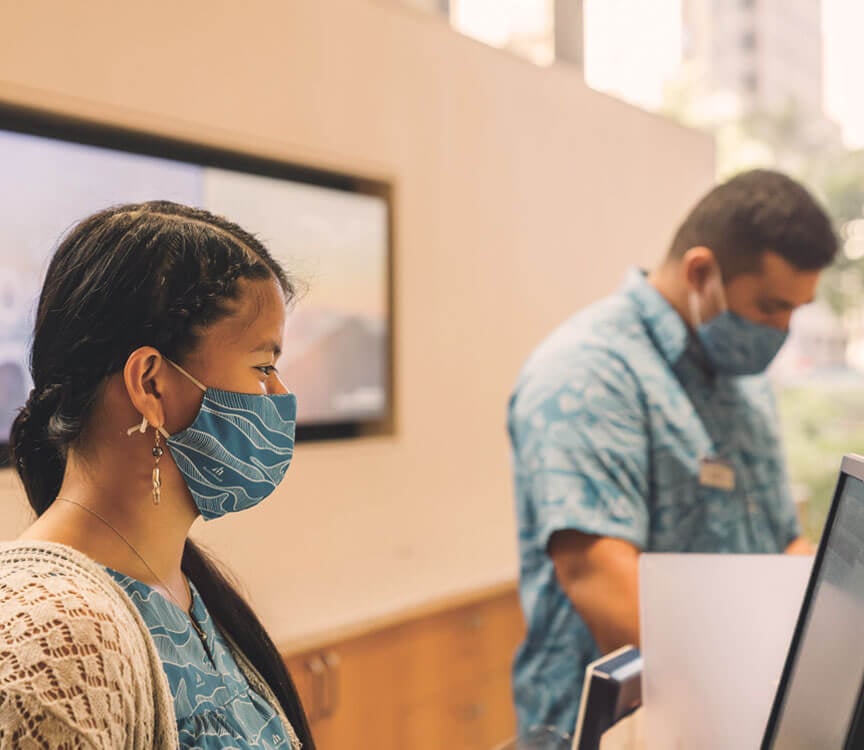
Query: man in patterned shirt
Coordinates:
[645,423]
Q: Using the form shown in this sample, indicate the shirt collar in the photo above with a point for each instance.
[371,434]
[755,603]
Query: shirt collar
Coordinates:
[662,322]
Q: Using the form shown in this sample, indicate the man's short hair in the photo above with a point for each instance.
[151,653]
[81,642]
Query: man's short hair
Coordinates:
[752,213]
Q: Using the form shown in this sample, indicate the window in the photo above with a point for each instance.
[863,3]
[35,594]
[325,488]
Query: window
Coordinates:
[524,27]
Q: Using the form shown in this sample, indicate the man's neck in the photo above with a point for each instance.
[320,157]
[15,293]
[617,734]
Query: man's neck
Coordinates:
[666,280]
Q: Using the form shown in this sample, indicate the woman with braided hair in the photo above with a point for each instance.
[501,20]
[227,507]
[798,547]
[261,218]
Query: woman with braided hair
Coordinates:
[156,399]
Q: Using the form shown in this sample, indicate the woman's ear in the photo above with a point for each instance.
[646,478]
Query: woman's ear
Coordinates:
[144,377]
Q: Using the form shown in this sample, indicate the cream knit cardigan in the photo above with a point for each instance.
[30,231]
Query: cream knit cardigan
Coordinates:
[78,668]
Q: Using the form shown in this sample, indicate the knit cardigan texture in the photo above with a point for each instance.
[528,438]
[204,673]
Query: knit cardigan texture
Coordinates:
[78,667]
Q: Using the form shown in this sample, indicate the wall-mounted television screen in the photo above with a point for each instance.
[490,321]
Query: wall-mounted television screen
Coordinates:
[332,231]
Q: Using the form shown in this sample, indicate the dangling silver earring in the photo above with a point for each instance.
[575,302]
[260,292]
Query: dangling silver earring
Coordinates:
[157,477]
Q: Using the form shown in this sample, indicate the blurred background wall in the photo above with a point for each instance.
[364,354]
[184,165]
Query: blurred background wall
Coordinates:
[519,195]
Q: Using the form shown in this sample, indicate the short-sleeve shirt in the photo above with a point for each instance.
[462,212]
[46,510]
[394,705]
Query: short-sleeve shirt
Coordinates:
[610,421]
[214,704]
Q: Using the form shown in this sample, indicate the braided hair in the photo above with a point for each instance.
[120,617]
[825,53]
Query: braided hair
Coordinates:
[150,274]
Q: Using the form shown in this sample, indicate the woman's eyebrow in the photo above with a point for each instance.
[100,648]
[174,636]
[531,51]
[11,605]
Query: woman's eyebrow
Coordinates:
[271,345]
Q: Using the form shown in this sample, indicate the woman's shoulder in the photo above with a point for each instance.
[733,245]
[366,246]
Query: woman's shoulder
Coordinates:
[76,655]
[48,587]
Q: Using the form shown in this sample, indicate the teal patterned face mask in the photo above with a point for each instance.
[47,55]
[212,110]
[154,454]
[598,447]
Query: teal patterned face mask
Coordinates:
[735,345]
[237,450]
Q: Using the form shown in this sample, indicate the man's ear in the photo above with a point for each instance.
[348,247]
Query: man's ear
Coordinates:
[144,376]
[699,266]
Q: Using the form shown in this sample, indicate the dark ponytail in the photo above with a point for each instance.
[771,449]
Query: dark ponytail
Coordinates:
[32,448]
[151,274]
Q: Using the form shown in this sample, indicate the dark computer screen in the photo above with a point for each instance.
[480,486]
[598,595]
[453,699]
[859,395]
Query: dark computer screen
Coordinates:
[819,693]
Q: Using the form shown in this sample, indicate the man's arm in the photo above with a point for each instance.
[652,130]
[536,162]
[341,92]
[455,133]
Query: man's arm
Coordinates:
[600,576]
[800,546]
[582,457]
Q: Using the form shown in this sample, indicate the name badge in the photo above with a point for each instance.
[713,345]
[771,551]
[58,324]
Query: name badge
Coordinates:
[716,473]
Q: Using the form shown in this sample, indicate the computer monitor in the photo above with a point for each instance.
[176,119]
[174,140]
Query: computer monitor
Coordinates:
[819,699]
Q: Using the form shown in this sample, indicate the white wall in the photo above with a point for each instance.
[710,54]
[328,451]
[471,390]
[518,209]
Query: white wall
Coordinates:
[520,195]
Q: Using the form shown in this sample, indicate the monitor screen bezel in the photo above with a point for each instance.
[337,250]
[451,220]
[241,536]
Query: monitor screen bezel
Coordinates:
[851,466]
[76,130]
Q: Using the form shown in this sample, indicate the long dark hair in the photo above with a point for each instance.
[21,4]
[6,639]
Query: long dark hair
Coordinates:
[150,274]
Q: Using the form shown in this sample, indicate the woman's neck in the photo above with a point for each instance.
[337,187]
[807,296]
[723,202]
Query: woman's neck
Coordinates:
[111,517]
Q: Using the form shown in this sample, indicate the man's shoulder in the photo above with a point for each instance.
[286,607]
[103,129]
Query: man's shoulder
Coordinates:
[591,325]
[604,342]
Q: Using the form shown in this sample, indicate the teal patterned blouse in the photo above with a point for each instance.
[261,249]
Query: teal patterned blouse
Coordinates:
[214,704]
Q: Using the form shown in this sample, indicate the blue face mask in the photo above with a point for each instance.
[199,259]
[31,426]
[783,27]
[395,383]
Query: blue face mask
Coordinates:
[735,345]
[237,450]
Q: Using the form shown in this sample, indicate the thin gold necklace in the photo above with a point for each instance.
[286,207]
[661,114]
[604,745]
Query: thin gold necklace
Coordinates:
[137,554]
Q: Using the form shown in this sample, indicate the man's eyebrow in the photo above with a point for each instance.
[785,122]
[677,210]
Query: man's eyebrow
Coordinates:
[786,304]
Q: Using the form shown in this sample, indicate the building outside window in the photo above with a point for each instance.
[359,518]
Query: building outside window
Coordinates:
[524,27]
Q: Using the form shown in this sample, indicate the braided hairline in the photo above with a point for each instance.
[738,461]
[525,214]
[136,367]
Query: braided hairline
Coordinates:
[51,391]
[39,397]
[213,288]
[235,270]
[197,222]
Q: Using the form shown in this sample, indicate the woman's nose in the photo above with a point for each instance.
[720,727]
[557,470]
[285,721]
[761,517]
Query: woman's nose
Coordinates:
[275,386]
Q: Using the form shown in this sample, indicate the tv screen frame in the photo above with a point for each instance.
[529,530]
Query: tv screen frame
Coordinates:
[80,131]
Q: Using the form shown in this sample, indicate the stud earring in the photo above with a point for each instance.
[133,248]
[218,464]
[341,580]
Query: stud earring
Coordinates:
[157,476]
